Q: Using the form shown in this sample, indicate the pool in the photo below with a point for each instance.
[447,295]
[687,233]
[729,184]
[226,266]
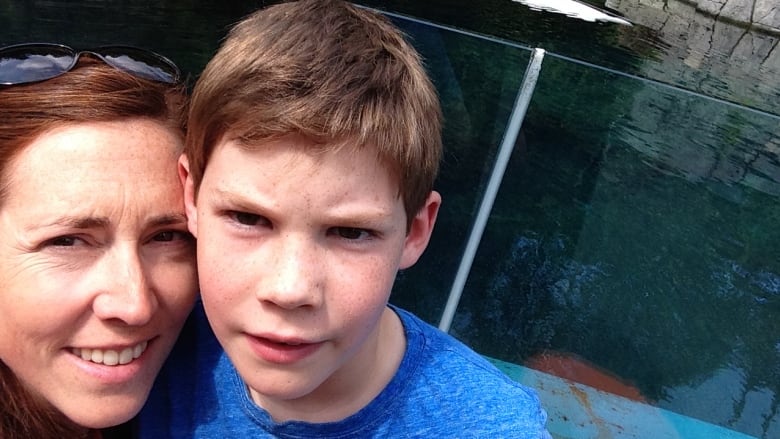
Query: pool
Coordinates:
[624,258]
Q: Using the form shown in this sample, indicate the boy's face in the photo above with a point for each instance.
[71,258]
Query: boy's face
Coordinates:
[297,254]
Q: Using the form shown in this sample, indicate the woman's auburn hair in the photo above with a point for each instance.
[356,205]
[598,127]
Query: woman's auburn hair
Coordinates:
[91,92]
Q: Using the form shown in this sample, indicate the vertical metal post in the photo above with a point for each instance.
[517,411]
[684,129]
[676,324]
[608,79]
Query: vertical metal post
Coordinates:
[505,152]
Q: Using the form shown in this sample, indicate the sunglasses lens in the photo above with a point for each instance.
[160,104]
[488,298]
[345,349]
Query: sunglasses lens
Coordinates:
[141,63]
[31,63]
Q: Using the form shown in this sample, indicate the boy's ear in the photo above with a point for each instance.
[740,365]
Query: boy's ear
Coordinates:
[189,195]
[420,230]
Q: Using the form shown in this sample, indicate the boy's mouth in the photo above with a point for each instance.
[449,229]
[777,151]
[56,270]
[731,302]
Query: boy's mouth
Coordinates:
[282,351]
[110,357]
[284,343]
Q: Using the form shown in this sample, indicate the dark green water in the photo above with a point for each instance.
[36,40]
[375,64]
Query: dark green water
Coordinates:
[636,226]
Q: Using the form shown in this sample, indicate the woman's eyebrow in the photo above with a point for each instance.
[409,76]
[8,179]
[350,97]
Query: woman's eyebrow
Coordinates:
[168,219]
[77,222]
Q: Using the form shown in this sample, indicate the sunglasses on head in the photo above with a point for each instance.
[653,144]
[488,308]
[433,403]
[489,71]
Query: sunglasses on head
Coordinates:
[26,63]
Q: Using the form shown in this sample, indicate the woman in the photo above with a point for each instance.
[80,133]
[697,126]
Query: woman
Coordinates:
[97,269]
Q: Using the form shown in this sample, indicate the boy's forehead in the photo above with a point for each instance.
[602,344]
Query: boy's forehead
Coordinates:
[293,150]
[283,177]
[347,148]
[298,141]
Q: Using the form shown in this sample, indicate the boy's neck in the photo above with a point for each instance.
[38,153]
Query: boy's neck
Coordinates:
[354,385]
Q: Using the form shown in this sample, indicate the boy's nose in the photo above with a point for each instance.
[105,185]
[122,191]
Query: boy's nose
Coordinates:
[124,293]
[293,278]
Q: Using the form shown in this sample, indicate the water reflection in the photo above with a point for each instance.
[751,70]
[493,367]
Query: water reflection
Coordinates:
[672,42]
[574,9]
[723,395]
[712,55]
[703,141]
[638,230]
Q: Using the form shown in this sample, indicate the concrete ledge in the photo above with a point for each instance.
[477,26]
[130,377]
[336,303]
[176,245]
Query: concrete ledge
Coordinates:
[578,411]
[760,15]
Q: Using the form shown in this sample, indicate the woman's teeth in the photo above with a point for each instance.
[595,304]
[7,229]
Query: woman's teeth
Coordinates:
[110,357]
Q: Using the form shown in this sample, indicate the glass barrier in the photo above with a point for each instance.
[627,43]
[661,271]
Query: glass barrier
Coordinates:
[477,80]
[631,249]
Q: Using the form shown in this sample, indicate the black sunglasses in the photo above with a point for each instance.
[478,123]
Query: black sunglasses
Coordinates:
[25,63]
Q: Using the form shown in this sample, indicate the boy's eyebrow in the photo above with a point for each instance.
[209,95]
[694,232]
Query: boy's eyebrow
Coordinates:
[361,217]
[374,217]
[224,195]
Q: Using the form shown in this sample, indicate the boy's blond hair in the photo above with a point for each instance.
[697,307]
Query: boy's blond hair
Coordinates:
[337,74]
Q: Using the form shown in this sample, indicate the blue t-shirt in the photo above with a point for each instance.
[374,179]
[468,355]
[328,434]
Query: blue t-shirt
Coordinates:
[441,389]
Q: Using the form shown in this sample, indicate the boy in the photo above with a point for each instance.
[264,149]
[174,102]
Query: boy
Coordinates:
[313,144]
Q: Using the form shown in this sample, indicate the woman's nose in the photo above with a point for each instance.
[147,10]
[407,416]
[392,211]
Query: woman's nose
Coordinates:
[123,290]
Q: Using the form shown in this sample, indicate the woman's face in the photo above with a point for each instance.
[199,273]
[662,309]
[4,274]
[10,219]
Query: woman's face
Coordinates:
[97,270]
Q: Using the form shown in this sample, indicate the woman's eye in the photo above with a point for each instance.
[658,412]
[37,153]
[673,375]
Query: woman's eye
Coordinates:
[170,235]
[63,241]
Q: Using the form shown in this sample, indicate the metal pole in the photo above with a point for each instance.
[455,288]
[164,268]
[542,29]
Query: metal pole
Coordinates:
[504,153]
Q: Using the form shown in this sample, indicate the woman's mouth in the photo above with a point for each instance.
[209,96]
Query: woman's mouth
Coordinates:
[110,357]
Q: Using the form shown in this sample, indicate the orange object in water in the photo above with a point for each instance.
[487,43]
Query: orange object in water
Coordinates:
[575,368]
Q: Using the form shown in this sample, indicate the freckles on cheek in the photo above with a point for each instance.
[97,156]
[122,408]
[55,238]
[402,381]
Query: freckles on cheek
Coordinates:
[217,287]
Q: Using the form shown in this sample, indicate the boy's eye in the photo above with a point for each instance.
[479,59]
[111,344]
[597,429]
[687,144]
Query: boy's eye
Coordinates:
[351,232]
[248,219]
